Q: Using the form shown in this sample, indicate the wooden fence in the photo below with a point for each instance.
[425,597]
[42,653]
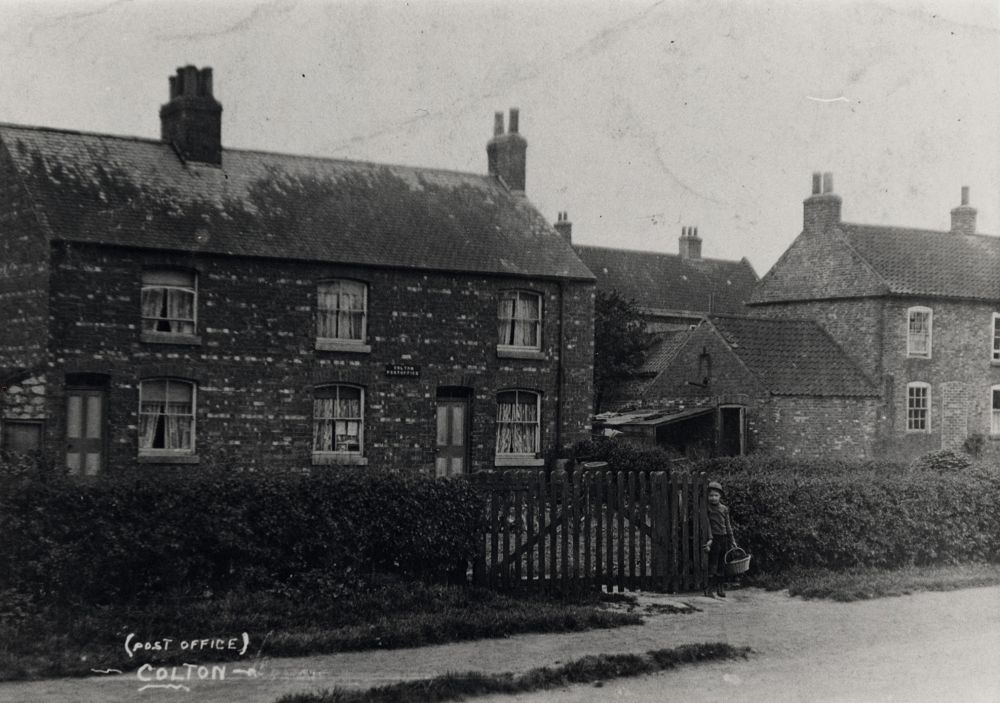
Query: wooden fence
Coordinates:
[592,530]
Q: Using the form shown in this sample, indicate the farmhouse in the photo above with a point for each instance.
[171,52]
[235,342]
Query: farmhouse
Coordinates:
[917,310]
[174,301]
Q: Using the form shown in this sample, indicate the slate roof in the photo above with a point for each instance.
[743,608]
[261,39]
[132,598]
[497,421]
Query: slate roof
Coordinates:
[666,282]
[931,263]
[793,357]
[138,193]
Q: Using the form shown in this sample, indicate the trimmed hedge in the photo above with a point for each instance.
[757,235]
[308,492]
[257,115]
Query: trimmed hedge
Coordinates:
[118,540]
[839,514]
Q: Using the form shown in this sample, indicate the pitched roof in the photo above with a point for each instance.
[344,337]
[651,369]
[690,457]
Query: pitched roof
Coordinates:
[662,350]
[138,193]
[924,262]
[667,282]
[793,357]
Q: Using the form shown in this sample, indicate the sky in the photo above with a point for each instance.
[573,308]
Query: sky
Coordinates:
[641,117]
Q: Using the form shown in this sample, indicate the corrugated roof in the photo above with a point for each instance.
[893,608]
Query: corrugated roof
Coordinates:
[793,357]
[932,263]
[667,282]
[137,192]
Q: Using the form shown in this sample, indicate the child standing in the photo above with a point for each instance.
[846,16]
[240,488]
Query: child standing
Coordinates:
[720,540]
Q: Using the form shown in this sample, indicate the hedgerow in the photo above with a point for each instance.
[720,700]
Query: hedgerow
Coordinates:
[834,513]
[120,539]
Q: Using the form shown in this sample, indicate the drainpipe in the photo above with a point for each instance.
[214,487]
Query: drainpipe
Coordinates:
[560,376]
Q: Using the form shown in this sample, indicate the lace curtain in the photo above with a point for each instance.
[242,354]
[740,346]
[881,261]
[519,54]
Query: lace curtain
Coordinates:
[166,415]
[168,310]
[517,423]
[518,318]
[341,311]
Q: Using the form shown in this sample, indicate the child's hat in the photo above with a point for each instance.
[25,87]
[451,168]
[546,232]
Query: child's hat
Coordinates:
[716,486]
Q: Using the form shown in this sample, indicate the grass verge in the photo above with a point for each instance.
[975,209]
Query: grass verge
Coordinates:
[63,642]
[592,669]
[867,583]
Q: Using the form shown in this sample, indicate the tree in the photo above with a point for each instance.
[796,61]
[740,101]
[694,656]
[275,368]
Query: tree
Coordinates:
[619,342]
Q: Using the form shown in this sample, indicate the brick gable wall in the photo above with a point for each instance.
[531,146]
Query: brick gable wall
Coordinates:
[257,363]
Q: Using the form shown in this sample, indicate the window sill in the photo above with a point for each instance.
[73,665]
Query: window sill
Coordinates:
[918,356]
[170,338]
[518,353]
[338,459]
[519,460]
[168,459]
[342,345]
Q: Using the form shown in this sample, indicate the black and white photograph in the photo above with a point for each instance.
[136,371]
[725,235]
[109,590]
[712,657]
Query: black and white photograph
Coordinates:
[318,385]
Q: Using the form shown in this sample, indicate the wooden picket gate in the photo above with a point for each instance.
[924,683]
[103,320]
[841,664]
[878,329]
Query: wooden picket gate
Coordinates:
[592,530]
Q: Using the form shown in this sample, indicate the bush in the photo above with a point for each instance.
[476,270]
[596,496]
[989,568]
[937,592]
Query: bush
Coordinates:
[623,456]
[118,540]
[943,461]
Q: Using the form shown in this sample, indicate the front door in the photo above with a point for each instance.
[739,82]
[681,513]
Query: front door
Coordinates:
[85,431]
[452,436]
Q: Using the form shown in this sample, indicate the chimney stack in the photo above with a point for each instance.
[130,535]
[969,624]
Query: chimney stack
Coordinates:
[690,243]
[506,153]
[564,226]
[963,217]
[192,120]
[821,210]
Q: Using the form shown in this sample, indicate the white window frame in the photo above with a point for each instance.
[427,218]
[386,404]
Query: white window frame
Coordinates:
[920,309]
[163,335]
[163,452]
[994,404]
[356,458]
[517,293]
[349,344]
[927,408]
[995,338]
[520,458]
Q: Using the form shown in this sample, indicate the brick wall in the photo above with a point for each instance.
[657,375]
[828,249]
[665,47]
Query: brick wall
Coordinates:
[817,427]
[257,363]
[23,274]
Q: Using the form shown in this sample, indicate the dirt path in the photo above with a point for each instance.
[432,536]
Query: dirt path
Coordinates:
[926,647]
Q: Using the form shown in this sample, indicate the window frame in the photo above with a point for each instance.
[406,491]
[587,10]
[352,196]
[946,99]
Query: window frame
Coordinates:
[520,458]
[353,458]
[994,411]
[166,337]
[910,353]
[165,455]
[995,339]
[927,408]
[7,422]
[342,343]
[514,350]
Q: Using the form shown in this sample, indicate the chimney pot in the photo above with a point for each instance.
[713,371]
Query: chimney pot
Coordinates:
[506,153]
[963,217]
[827,182]
[821,210]
[690,244]
[564,227]
[817,180]
[191,121]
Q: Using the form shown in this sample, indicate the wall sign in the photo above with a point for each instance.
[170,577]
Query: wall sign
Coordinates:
[406,370]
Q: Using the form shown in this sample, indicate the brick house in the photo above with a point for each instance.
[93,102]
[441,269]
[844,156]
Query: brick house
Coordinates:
[176,302]
[739,384]
[917,310]
[672,291]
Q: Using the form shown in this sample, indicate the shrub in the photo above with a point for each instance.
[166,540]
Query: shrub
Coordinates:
[623,456]
[120,539]
[943,461]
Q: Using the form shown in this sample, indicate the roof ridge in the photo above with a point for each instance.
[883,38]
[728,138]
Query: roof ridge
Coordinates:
[225,149]
[920,230]
[742,260]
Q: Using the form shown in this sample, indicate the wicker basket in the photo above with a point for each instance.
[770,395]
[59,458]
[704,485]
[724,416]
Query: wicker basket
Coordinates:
[737,561]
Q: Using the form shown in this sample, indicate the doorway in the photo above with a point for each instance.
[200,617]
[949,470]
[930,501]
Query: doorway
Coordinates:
[85,430]
[732,431]
[452,431]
